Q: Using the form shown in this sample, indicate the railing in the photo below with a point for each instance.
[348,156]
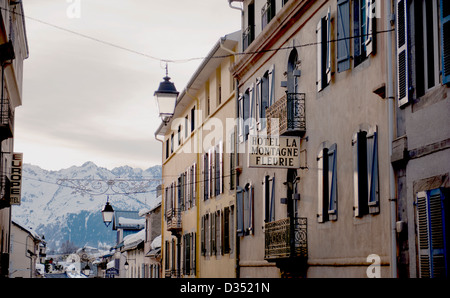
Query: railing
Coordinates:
[6,120]
[290,112]
[4,191]
[248,36]
[267,14]
[173,217]
[286,238]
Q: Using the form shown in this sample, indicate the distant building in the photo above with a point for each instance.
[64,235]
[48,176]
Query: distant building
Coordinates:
[13,50]
[25,249]
[152,244]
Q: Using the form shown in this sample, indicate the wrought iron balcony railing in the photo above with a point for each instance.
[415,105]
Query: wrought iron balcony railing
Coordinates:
[6,120]
[173,218]
[267,14]
[286,238]
[248,36]
[290,111]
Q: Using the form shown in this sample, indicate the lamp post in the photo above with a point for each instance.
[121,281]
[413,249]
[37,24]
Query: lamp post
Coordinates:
[166,98]
[107,213]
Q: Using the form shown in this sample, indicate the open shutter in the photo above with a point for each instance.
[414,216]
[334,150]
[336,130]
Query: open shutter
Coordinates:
[370,14]
[356,208]
[445,40]
[328,47]
[240,211]
[431,234]
[194,185]
[257,92]
[332,182]
[251,114]
[272,201]
[210,173]
[202,236]
[241,118]
[372,172]
[343,35]
[320,193]
[221,166]
[251,197]
[272,85]
[402,53]
[319,55]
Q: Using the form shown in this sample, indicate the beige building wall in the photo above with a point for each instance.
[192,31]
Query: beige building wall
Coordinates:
[348,104]
[24,253]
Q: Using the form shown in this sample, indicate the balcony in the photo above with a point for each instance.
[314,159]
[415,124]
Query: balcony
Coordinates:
[6,120]
[173,218]
[286,238]
[290,111]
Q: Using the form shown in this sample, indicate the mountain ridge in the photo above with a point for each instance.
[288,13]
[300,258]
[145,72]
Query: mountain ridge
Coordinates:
[66,204]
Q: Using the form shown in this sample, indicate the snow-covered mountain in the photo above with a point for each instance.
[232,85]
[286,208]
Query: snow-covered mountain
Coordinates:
[66,204]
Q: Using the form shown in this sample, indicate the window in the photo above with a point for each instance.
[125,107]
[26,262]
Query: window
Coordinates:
[365,172]
[265,96]
[189,252]
[192,119]
[171,143]
[167,148]
[269,198]
[343,35]
[432,209]
[179,135]
[232,156]
[249,33]
[267,13]
[219,85]
[245,210]
[363,25]
[327,183]
[423,47]
[186,123]
[226,230]
[323,52]
[206,175]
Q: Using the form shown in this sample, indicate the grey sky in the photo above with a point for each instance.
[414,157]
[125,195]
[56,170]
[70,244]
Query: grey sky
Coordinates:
[88,101]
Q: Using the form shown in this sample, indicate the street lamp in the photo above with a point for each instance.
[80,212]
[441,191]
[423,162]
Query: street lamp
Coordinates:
[107,213]
[126,265]
[166,98]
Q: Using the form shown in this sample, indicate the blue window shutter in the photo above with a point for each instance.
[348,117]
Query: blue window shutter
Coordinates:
[272,201]
[445,40]
[332,182]
[372,173]
[240,211]
[320,193]
[343,34]
[319,55]
[402,53]
[356,33]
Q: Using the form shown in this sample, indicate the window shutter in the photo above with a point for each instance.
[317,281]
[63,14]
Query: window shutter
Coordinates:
[240,211]
[221,167]
[202,236]
[343,34]
[372,172]
[205,176]
[241,118]
[430,231]
[320,193]
[328,47]
[210,173]
[251,113]
[370,14]
[356,208]
[402,53]
[332,182]
[257,92]
[319,55]
[251,197]
[445,40]
[272,201]
[194,185]
[356,28]
[272,85]
[266,191]
[187,187]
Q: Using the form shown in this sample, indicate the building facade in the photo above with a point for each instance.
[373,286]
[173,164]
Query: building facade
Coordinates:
[198,189]
[314,75]
[13,51]
[152,243]
[421,154]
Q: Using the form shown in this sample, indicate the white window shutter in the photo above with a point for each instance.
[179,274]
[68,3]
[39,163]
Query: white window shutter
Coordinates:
[195,182]
[272,200]
[320,186]
[221,167]
[370,14]
[252,117]
[356,209]
[319,55]
[241,118]
[402,53]
[258,103]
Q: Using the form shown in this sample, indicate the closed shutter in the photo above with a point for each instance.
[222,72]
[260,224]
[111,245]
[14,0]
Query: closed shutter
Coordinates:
[445,40]
[187,187]
[332,182]
[431,234]
[343,35]
[372,172]
[402,53]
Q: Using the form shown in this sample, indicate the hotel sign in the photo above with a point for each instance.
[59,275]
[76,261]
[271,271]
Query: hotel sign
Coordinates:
[273,152]
[16,178]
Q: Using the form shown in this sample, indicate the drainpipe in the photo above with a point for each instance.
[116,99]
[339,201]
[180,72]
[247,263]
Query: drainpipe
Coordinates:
[391,120]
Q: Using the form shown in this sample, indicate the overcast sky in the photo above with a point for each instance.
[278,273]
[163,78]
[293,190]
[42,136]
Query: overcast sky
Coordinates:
[85,100]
